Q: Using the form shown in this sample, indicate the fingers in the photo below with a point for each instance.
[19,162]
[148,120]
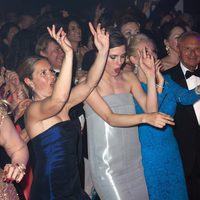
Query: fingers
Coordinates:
[57,36]
[164,119]
[92,30]
[14,172]
[160,120]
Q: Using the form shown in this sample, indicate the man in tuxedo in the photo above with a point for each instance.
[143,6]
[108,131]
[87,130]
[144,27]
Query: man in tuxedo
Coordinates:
[187,118]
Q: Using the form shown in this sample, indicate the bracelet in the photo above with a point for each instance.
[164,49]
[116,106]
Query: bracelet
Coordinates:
[21,167]
[197,90]
[159,86]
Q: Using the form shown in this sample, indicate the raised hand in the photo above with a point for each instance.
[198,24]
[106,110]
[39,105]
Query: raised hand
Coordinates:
[147,63]
[12,78]
[101,37]
[61,38]
[159,77]
[159,119]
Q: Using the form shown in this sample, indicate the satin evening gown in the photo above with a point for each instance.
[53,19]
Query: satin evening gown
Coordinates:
[115,154]
[56,175]
[160,153]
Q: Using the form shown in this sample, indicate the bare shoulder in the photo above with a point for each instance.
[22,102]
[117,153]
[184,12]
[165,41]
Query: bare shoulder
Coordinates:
[129,76]
[31,111]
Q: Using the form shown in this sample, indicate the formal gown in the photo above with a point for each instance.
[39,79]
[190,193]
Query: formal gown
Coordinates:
[160,154]
[115,154]
[7,190]
[56,175]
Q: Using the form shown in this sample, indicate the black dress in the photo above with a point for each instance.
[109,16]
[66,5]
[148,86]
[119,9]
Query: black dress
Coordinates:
[56,175]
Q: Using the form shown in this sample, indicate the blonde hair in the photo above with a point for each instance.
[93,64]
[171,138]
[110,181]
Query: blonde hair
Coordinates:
[134,41]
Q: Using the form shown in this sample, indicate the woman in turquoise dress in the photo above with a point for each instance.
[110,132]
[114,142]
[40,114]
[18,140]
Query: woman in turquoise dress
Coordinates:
[160,154]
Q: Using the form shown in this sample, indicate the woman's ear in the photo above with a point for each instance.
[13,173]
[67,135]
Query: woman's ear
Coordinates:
[166,43]
[133,60]
[43,53]
[29,82]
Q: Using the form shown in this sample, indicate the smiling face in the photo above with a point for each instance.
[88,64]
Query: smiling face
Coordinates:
[189,51]
[54,54]
[116,58]
[43,80]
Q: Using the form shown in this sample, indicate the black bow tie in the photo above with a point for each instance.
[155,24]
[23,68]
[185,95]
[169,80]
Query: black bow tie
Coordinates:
[196,72]
[56,73]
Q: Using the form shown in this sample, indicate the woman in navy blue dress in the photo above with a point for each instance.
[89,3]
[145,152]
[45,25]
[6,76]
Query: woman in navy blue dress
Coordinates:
[160,154]
[53,135]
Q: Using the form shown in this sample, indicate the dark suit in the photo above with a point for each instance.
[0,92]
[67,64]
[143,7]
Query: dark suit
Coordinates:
[187,133]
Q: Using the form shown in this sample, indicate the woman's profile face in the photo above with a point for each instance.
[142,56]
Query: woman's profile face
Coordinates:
[116,58]
[172,40]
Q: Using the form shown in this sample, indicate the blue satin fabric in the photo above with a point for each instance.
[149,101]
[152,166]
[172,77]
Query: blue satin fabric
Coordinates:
[56,175]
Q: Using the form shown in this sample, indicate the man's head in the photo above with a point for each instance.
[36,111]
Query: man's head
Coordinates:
[189,49]
[48,48]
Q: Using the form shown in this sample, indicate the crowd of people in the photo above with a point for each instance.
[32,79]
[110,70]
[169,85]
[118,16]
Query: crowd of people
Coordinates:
[102,107]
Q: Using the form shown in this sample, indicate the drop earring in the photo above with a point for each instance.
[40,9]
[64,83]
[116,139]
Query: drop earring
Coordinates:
[167,48]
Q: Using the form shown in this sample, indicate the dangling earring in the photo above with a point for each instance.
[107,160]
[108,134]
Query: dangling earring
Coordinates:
[167,48]
[135,70]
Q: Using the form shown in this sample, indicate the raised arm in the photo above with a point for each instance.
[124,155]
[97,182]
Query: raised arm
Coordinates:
[63,83]
[53,104]
[148,102]
[84,88]
[159,77]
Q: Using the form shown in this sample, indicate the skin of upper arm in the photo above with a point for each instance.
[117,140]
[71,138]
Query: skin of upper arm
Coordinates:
[136,89]
[97,103]
[78,94]
[10,139]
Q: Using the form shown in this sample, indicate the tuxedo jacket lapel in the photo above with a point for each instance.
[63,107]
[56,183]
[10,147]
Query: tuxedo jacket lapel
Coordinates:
[177,75]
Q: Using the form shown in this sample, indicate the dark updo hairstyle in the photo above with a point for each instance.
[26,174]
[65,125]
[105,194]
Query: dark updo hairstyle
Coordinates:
[165,32]
[167,28]
[116,38]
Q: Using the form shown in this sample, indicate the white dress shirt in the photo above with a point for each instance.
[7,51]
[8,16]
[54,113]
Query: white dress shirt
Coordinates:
[192,83]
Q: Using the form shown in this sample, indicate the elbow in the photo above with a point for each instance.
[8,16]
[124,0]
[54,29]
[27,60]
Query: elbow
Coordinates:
[110,120]
[91,85]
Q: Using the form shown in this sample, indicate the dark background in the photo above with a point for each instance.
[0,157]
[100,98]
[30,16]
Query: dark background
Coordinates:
[190,6]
